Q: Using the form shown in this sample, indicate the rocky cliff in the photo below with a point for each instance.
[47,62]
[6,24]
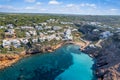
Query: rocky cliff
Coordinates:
[107,59]
[107,65]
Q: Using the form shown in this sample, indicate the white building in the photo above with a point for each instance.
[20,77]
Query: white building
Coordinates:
[48,27]
[24,41]
[51,37]
[39,27]
[1,27]
[33,33]
[66,22]
[10,26]
[56,28]
[27,34]
[105,34]
[51,31]
[16,43]
[58,38]
[75,30]
[68,35]
[7,43]
[42,39]
[27,27]
[43,24]
[51,20]
[35,40]
[10,31]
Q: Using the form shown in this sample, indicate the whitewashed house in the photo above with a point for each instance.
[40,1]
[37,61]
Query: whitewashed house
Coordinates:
[10,31]
[1,27]
[42,39]
[75,30]
[16,43]
[24,41]
[39,27]
[10,26]
[48,27]
[66,22]
[50,37]
[6,43]
[95,30]
[51,31]
[56,28]
[35,40]
[27,27]
[33,33]
[42,24]
[58,38]
[51,20]
[92,46]
[27,34]
[105,35]
[68,35]
[41,34]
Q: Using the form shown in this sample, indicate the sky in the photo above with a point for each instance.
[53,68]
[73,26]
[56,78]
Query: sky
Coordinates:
[82,7]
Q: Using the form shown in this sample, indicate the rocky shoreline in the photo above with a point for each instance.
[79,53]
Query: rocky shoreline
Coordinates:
[107,66]
[7,60]
[106,51]
[107,60]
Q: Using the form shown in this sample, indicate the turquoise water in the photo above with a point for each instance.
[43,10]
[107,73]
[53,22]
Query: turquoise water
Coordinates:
[66,63]
[80,70]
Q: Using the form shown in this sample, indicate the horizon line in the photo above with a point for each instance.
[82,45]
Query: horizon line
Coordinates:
[61,14]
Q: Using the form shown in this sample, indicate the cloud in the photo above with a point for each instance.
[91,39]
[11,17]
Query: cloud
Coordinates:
[70,8]
[88,5]
[30,1]
[83,5]
[38,3]
[70,5]
[42,9]
[6,7]
[54,2]
[30,8]
[113,9]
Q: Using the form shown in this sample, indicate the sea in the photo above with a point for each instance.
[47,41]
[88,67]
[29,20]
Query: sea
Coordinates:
[65,63]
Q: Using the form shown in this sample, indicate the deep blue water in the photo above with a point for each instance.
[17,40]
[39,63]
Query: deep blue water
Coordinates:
[66,63]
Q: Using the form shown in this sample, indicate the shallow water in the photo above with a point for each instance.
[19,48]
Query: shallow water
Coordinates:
[66,63]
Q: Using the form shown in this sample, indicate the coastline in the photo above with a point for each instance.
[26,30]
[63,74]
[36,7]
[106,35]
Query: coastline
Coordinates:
[7,60]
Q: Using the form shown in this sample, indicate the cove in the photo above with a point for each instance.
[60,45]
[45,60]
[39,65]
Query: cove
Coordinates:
[66,63]
[80,70]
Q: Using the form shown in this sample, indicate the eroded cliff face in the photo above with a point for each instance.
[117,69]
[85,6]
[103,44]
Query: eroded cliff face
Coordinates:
[107,59]
[11,58]
[107,66]
[8,59]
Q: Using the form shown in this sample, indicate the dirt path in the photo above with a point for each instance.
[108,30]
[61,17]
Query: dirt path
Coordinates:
[83,43]
[98,43]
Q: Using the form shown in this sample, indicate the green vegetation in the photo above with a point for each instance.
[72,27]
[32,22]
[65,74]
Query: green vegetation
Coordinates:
[2,33]
[30,19]
[34,19]
[3,50]
[20,33]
